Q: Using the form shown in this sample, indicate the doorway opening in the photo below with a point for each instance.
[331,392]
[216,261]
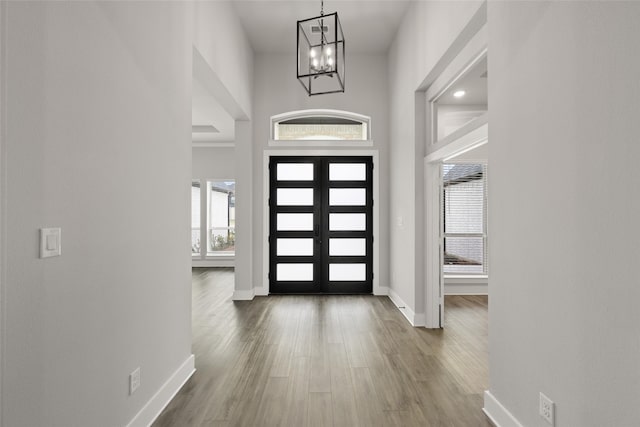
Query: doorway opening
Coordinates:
[321,224]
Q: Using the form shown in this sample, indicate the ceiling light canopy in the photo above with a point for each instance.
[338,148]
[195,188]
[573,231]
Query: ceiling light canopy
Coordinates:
[320,51]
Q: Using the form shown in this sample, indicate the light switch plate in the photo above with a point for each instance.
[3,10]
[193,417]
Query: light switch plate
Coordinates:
[50,242]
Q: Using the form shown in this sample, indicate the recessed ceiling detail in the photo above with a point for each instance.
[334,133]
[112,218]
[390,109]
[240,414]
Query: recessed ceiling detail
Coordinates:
[204,129]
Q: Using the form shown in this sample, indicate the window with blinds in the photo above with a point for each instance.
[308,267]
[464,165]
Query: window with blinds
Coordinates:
[464,218]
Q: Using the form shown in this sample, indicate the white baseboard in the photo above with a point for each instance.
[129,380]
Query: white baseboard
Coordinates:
[161,399]
[466,286]
[413,318]
[261,291]
[419,319]
[465,293]
[381,290]
[221,262]
[498,414]
[243,295]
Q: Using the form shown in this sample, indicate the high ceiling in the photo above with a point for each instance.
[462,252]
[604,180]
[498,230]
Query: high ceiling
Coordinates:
[369,26]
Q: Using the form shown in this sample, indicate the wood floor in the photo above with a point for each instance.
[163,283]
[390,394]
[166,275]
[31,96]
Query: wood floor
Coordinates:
[328,361]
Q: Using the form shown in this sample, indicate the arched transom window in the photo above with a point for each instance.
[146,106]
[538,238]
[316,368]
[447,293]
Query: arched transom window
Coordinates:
[320,125]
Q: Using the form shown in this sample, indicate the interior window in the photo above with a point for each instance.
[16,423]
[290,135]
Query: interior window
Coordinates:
[464,217]
[314,126]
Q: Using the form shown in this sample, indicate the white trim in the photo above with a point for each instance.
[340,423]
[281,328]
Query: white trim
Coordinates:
[323,112]
[474,137]
[260,292]
[381,291]
[415,319]
[497,413]
[435,290]
[243,294]
[468,48]
[3,262]
[164,395]
[204,258]
[321,143]
[483,280]
[470,56]
[320,112]
[265,208]
[434,285]
[465,293]
[212,144]
[471,136]
[466,285]
[466,289]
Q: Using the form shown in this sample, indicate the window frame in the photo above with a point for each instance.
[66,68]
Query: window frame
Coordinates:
[208,253]
[485,223]
[196,255]
[208,258]
[273,142]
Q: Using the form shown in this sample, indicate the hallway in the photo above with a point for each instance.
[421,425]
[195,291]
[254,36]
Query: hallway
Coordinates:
[328,361]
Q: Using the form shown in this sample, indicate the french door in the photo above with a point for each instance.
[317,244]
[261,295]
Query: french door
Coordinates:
[321,225]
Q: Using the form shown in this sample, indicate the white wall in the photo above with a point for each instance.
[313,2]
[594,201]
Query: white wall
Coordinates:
[564,179]
[98,143]
[220,39]
[426,32]
[276,91]
[213,163]
[224,65]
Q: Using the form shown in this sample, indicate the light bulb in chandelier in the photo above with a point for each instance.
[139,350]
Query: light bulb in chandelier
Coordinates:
[324,63]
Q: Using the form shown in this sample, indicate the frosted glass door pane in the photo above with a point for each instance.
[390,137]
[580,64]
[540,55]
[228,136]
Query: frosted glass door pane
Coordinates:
[295,222]
[347,171]
[294,272]
[295,172]
[347,222]
[295,196]
[347,272]
[347,196]
[295,247]
[347,247]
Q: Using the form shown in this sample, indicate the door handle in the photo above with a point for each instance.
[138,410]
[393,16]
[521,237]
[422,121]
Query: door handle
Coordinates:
[316,230]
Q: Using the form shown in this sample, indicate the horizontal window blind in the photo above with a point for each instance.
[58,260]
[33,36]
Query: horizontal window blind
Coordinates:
[464,218]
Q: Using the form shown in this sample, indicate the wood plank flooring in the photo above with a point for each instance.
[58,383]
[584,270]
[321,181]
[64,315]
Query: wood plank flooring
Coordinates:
[329,361]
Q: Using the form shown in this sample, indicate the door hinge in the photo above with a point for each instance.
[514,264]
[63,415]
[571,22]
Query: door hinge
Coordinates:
[269,239]
[269,275]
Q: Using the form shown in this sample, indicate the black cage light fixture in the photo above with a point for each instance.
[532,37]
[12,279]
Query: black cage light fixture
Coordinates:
[320,48]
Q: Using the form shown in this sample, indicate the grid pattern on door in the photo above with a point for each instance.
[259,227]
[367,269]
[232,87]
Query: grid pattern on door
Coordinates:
[321,225]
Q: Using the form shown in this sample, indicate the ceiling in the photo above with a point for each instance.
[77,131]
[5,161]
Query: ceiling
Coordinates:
[473,82]
[369,26]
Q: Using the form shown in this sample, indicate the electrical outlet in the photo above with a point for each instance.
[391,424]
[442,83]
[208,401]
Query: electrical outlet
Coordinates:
[546,409]
[134,380]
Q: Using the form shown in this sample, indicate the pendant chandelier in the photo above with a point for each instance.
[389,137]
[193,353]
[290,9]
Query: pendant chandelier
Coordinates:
[320,51]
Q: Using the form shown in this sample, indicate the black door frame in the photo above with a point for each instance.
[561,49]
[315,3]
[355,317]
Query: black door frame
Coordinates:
[321,233]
